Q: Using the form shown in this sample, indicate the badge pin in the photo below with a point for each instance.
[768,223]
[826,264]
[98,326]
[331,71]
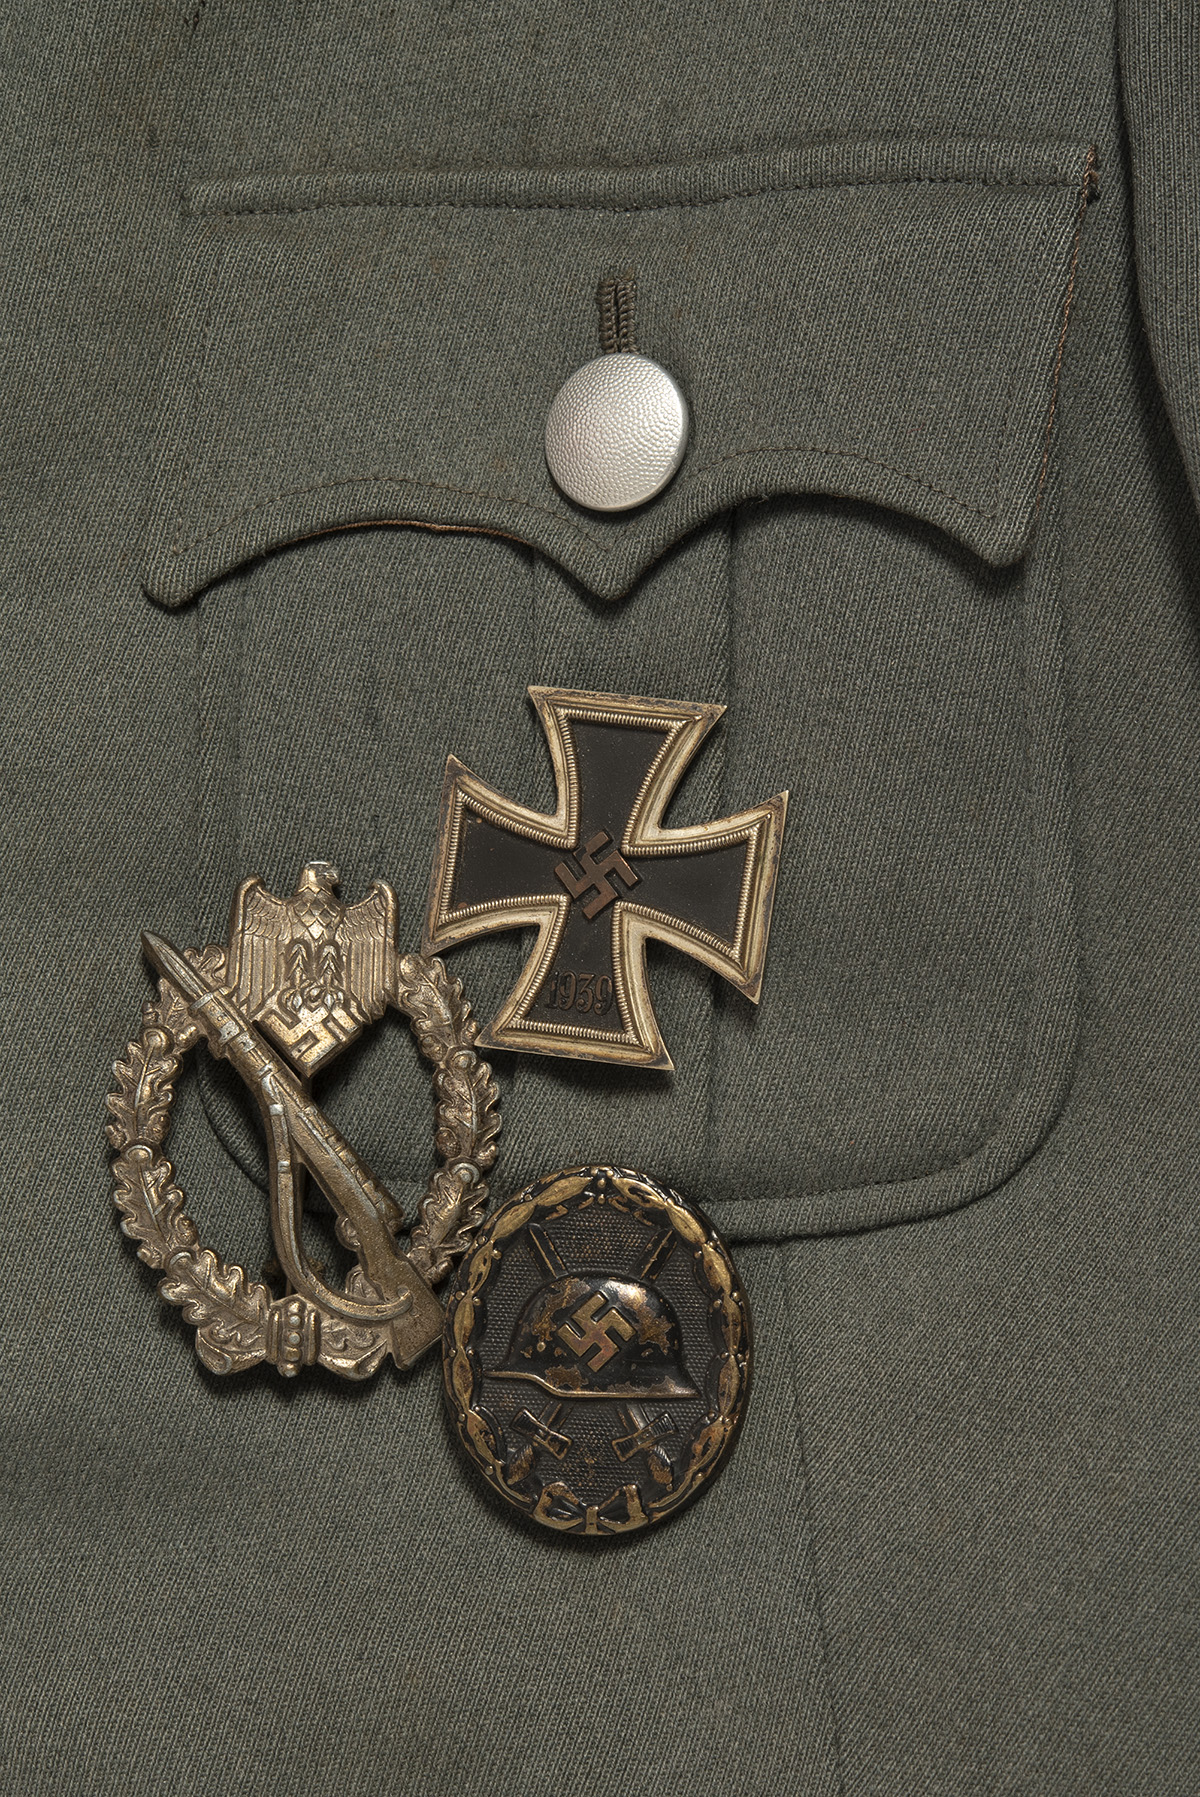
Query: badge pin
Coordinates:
[299,980]
[601,876]
[597,1352]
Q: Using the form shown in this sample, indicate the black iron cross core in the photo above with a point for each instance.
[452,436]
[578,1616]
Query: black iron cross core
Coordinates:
[600,876]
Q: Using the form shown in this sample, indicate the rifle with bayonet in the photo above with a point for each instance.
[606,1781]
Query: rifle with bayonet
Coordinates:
[298,1131]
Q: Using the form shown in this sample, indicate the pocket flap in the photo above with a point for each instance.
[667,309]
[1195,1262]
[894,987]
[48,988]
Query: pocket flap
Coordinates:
[879,321]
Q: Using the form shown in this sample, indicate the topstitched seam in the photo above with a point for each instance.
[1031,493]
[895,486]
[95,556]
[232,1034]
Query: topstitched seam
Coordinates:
[215,287]
[1087,179]
[1029,183]
[1085,194]
[780,1251]
[532,506]
[848,455]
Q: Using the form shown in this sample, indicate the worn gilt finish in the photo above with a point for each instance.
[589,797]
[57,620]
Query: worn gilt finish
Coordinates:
[597,1352]
[299,979]
[601,876]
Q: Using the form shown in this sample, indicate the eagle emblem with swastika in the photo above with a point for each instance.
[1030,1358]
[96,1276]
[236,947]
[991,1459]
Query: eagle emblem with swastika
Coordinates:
[300,977]
[307,969]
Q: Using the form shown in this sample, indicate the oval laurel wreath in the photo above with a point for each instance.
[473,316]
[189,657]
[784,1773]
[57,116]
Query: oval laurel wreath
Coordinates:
[462,1374]
[237,1319]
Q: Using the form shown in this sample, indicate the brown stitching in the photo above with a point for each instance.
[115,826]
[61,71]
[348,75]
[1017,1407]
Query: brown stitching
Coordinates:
[848,455]
[1087,192]
[408,480]
[1030,184]
[437,530]
[854,160]
[363,480]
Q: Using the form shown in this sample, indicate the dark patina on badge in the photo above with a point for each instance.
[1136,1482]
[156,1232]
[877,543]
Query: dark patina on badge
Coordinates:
[597,1351]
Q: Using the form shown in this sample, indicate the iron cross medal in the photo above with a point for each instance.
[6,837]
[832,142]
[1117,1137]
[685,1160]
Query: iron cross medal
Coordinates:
[600,876]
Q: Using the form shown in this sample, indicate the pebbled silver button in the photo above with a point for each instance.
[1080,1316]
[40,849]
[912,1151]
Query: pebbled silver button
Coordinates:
[616,432]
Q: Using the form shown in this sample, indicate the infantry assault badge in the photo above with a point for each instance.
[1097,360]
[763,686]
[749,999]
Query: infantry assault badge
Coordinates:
[299,980]
[596,1342]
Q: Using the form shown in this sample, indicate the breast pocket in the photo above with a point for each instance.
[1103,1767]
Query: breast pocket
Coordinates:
[850,558]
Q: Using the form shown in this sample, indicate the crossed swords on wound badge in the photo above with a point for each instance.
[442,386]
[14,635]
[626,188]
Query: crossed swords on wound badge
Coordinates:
[596,1341]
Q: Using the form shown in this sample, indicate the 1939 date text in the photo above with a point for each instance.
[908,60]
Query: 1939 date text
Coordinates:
[579,992]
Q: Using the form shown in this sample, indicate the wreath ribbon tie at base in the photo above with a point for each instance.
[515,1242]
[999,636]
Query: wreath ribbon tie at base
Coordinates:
[238,1320]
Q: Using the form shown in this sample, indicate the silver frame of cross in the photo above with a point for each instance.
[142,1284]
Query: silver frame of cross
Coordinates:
[740,959]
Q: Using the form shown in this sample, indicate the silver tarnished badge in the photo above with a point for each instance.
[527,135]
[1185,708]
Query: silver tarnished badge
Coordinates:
[298,981]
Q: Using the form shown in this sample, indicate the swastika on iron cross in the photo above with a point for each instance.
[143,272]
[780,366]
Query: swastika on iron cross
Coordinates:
[601,875]
[596,877]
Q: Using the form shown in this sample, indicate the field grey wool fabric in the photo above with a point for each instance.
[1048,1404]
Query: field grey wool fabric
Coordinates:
[287,293]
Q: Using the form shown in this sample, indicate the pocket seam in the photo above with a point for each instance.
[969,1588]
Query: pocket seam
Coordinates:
[719,199]
[1038,1096]
[353,480]
[987,162]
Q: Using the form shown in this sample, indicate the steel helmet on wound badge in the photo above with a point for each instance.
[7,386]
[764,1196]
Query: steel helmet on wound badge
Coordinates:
[598,1335]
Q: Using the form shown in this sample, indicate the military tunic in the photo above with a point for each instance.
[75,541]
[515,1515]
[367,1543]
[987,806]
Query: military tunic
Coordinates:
[288,294]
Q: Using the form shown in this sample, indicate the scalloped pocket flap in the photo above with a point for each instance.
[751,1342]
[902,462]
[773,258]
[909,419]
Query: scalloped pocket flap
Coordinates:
[878,321]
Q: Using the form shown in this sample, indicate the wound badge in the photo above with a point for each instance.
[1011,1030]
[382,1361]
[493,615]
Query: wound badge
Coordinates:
[300,978]
[597,1352]
[600,877]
